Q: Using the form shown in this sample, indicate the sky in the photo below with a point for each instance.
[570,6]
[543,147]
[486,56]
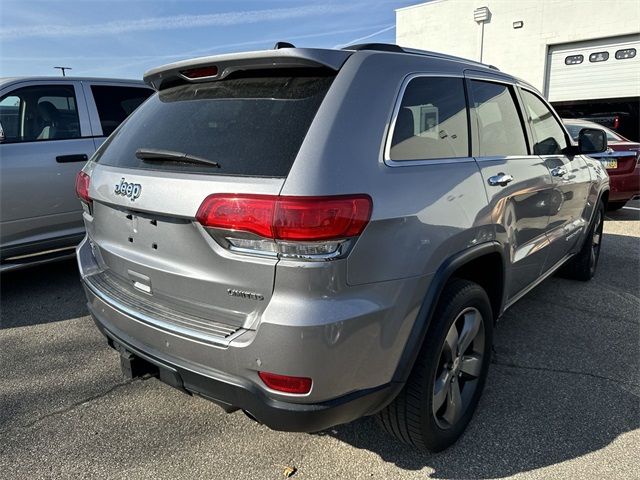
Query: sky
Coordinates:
[124,38]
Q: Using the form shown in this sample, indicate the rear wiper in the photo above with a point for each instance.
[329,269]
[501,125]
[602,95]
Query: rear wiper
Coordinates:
[159,155]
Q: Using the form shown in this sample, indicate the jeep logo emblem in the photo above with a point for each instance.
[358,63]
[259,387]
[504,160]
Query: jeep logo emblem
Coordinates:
[131,190]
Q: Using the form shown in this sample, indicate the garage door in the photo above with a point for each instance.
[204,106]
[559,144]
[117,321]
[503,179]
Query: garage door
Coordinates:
[603,68]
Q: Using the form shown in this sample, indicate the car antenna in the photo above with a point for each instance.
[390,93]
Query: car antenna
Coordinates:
[63,70]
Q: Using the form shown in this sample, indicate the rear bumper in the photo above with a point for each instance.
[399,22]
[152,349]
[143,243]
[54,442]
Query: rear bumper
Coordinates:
[233,393]
[350,364]
[624,186]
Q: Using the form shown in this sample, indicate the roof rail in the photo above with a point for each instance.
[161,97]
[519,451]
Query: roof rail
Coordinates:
[445,56]
[390,47]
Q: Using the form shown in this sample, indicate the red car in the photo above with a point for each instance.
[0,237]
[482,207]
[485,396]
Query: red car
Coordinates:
[622,161]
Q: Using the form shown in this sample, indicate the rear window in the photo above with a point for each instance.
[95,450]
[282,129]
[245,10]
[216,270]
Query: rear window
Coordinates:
[251,126]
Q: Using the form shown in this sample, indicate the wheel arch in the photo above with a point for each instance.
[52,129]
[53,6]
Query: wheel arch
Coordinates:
[604,197]
[471,264]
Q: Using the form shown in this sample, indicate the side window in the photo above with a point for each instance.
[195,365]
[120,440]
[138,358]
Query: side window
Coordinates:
[114,104]
[40,112]
[499,125]
[10,113]
[549,136]
[432,121]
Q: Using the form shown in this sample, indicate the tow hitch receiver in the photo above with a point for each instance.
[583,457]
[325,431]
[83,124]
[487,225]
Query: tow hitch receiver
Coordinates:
[133,367]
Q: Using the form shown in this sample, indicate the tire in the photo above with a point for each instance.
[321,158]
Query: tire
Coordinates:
[411,417]
[613,206]
[583,265]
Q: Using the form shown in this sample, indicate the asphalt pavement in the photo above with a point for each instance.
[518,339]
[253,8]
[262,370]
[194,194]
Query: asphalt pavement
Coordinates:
[562,399]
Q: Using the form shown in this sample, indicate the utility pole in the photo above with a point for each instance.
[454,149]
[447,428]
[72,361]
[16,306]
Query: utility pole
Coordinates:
[63,70]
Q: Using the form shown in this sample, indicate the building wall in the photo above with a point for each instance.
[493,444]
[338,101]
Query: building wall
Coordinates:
[447,26]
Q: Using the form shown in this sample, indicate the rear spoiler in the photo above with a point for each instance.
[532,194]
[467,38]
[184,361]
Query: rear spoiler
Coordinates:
[218,67]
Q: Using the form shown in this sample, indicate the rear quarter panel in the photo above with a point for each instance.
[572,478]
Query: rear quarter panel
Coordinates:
[421,213]
[367,304]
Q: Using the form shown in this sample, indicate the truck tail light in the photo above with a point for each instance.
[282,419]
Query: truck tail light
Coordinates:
[82,187]
[285,383]
[300,227]
[616,122]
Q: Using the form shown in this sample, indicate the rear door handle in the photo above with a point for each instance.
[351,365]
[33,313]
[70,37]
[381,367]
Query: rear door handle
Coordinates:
[82,157]
[558,172]
[500,180]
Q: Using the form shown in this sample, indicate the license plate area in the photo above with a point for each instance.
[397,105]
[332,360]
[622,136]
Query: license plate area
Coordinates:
[609,163]
[174,263]
[146,231]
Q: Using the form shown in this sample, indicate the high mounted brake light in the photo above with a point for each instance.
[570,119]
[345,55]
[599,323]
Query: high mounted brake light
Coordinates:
[300,227]
[200,72]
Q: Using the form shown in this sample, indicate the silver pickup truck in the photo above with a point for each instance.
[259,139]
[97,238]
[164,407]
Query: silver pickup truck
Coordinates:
[49,127]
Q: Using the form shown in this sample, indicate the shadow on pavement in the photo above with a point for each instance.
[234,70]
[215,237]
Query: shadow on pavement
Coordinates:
[43,294]
[563,382]
[632,213]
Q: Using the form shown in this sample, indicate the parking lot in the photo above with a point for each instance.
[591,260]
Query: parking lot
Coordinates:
[562,398]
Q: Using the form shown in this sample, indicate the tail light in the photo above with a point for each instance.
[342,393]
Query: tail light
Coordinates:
[301,227]
[285,383]
[616,122]
[82,187]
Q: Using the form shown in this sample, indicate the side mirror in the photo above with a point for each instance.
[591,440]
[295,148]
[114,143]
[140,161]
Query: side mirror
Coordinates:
[592,140]
[1,133]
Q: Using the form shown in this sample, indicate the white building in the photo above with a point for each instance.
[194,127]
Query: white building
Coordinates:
[584,55]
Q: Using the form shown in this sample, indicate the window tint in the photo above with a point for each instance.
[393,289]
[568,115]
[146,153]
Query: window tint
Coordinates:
[251,125]
[42,112]
[499,125]
[432,121]
[64,104]
[114,104]
[10,116]
[548,135]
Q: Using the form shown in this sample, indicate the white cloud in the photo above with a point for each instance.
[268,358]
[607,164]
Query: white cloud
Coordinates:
[366,37]
[169,23]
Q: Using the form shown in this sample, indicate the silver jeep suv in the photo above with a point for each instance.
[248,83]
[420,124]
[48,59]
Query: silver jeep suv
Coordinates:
[312,235]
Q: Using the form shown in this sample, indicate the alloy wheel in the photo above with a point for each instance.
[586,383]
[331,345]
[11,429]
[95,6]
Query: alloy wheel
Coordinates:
[596,239]
[459,368]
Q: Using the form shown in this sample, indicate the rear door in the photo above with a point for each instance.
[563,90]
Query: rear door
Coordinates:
[570,176]
[142,222]
[518,183]
[47,143]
